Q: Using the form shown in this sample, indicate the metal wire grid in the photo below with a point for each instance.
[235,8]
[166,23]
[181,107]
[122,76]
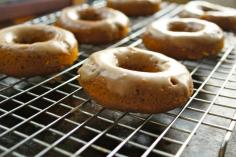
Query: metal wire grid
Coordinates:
[52,116]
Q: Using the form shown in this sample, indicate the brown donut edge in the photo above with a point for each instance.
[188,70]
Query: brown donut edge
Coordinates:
[132,103]
[21,65]
[165,47]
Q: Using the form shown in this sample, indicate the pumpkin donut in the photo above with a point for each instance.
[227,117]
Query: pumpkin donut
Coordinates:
[223,16]
[94,25]
[32,50]
[136,80]
[186,38]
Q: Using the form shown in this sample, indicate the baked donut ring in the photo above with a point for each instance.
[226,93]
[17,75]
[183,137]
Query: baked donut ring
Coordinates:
[223,16]
[136,80]
[94,25]
[32,50]
[135,7]
[186,38]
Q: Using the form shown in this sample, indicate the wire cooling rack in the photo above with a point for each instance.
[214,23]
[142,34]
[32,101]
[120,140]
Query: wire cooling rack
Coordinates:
[52,116]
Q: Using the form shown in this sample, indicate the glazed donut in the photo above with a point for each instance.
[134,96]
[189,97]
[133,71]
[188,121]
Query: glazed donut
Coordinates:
[135,7]
[222,16]
[32,50]
[184,38]
[94,25]
[136,80]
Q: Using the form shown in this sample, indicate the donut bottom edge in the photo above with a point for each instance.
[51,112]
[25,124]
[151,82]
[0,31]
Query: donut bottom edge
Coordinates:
[143,101]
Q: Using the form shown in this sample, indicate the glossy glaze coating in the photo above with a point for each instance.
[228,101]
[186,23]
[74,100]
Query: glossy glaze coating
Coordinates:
[36,50]
[223,16]
[135,7]
[94,25]
[187,38]
[132,79]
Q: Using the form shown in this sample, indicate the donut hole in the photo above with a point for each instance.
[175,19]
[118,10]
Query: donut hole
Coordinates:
[173,81]
[32,36]
[185,27]
[90,14]
[139,62]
